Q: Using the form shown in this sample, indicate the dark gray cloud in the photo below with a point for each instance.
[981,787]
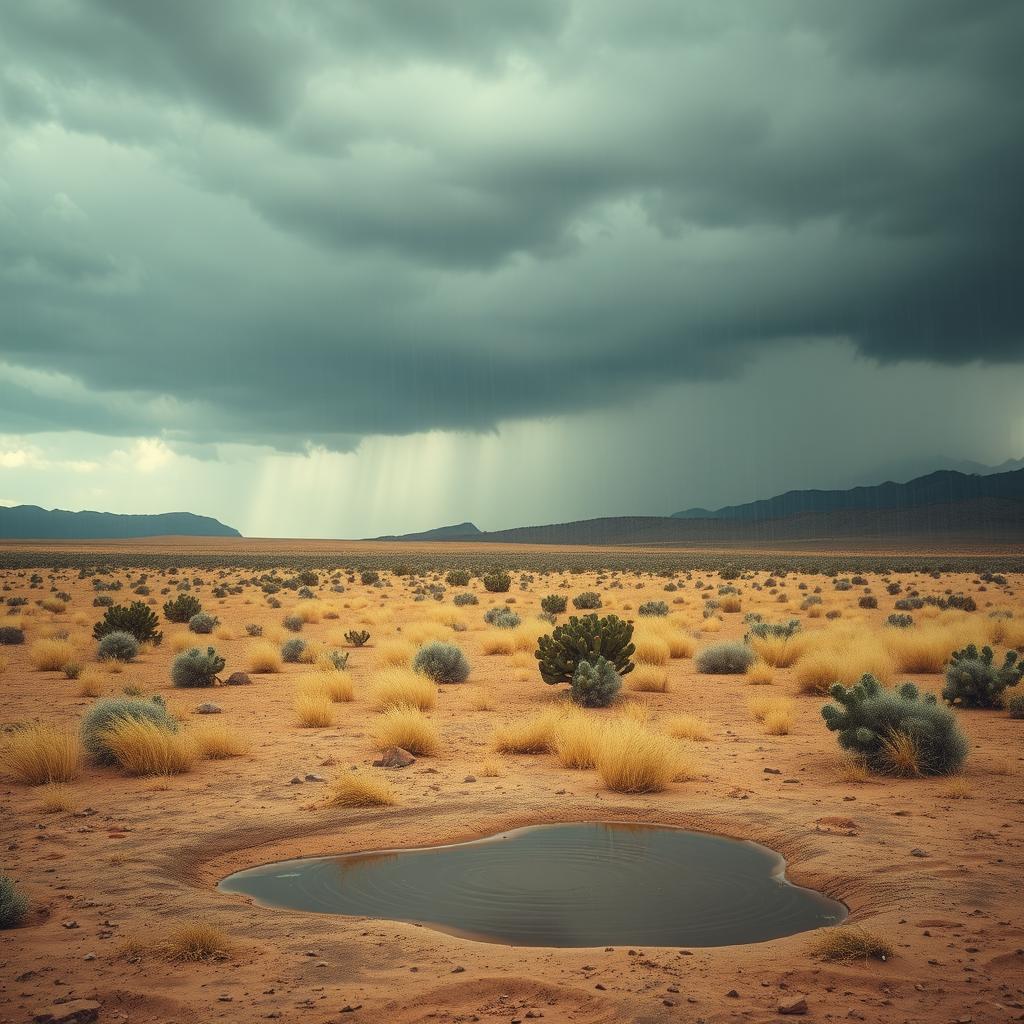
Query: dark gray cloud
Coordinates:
[290,223]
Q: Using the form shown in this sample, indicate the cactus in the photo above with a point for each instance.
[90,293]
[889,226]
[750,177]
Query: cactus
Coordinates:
[193,668]
[973,681]
[869,719]
[595,684]
[585,639]
[357,637]
[182,608]
[136,618]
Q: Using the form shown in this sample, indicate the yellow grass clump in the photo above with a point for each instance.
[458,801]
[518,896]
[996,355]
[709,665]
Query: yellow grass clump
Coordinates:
[850,943]
[576,740]
[407,727]
[57,797]
[852,770]
[263,657]
[648,679]
[491,768]
[497,642]
[51,604]
[763,707]
[424,631]
[310,611]
[524,638]
[730,603]
[394,654]
[778,651]
[217,742]
[91,681]
[401,687]
[711,625]
[958,788]
[194,942]
[901,754]
[687,727]
[480,699]
[144,748]
[335,686]
[651,649]
[633,760]
[41,754]
[680,645]
[842,656]
[778,722]
[360,789]
[181,641]
[923,650]
[51,655]
[533,735]
[760,674]
[314,710]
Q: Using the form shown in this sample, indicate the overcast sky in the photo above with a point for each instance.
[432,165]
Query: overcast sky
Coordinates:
[329,268]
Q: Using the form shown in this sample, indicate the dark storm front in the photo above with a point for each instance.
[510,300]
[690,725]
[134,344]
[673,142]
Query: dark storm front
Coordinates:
[588,884]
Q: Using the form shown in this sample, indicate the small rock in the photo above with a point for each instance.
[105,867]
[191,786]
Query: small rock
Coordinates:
[70,924]
[209,709]
[238,679]
[315,778]
[395,757]
[793,1007]
[296,781]
[732,994]
[773,771]
[469,778]
[918,852]
[75,1011]
[458,970]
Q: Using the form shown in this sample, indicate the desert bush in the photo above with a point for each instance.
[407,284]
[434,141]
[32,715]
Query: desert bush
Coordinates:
[137,618]
[595,684]
[13,903]
[144,747]
[867,601]
[585,639]
[193,668]
[407,727]
[263,657]
[104,714]
[11,635]
[1015,705]
[850,943]
[502,618]
[899,621]
[357,637]
[182,608]
[50,604]
[203,623]
[725,659]
[118,646]
[292,650]
[457,578]
[553,604]
[760,630]
[368,577]
[360,789]
[497,582]
[896,732]
[336,660]
[587,600]
[653,608]
[576,739]
[293,623]
[633,760]
[973,680]
[465,598]
[253,629]
[51,655]
[444,663]
[40,754]
[194,942]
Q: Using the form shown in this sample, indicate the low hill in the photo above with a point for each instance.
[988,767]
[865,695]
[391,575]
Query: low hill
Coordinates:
[30,522]
[461,531]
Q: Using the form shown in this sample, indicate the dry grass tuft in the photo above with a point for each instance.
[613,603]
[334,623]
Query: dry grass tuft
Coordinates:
[56,797]
[217,742]
[633,760]
[648,679]
[778,723]
[901,754]
[760,674]
[762,705]
[921,650]
[394,654]
[651,649]
[91,682]
[687,727]
[407,727]
[144,748]
[842,655]
[529,735]
[314,710]
[850,943]
[778,651]
[40,754]
[360,789]
[852,770]
[958,788]
[498,642]
[401,687]
[263,657]
[480,699]
[576,740]
[51,655]
[335,686]
[181,641]
[194,942]
[491,768]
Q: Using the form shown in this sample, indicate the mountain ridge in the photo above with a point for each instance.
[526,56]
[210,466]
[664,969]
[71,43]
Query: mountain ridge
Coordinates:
[32,522]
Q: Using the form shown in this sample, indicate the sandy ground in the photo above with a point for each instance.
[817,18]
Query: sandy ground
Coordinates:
[139,856]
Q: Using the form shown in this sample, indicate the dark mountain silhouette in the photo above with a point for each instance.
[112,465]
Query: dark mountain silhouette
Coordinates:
[461,531]
[30,522]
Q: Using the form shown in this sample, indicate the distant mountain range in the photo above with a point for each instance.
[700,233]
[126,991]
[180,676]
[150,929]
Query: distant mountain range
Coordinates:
[30,522]
[943,507]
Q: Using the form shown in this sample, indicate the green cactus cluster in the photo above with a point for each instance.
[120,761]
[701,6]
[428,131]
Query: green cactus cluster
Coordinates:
[974,680]
[869,718]
[595,684]
[585,639]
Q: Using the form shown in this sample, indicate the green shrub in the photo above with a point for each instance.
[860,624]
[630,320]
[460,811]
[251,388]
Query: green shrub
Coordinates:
[444,663]
[291,650]
[105,713]
[899,620]
[182,608]
[293,623]
[725,659]
[973,681]
[497,582]
[11,635]
[465,598]
[203,623]
[870,720]
[368,577]
[588,599]
[553,604]
[503,618]
[193,668]
[653,608]
[13,903]
[253,629]
[595,684]
[764,630]
[357,637]
[457,578]
[137,618]
[119,646]
[585,639]
[867,601]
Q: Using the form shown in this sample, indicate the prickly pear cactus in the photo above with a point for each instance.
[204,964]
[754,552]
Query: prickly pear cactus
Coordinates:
[870,718]
[585,639]
[974,681]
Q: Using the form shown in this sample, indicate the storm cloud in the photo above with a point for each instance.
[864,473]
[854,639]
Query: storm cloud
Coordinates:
[305,223]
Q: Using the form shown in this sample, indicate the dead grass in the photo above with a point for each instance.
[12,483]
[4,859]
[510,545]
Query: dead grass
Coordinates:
[778,651]
[337,687]
[56,797]
[480,699]
[760,674]
[497,642]
[958,788]
[687,727]
[51,655]
[181,641]
[648,679]
[533,735]
[852,770]
[218,742]
[263,657]
[401,687]
[848,943]
[651,650]
[633,760]
[194,942]
[314,710]
[407,727]
[40,754]
[842,655]
[91,682]
[901,755]
[778,723]
[491,768]
[394,654]
[144,748]
[576,740]
[360,789]
[920,650]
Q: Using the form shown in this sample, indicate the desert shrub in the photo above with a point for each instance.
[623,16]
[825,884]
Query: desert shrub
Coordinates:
[867,601]
[338,660]
[292,650]
[771,630]
[595,684]
[360,789]
[264,657]
[118,646]
[444,663]
[50,604]
[465,598]
[137,618]
[533,735]
[11,635]
[51,655]
[725,659]
[102,601]
[203,623]
[900,621]
[143,747]
[13,903]
[357,637]
[974,681]
[41,754]
[182,608]
[653,608]
[585,639]
[104,714]
[408,728]
[497,582]
[588,599]
[457,578]
[633,760]
[896,732]
[253,629]
[368,577]
[193,668]
[553,604]
[314,710]
[1015,705]
[503,618]
[293,623]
